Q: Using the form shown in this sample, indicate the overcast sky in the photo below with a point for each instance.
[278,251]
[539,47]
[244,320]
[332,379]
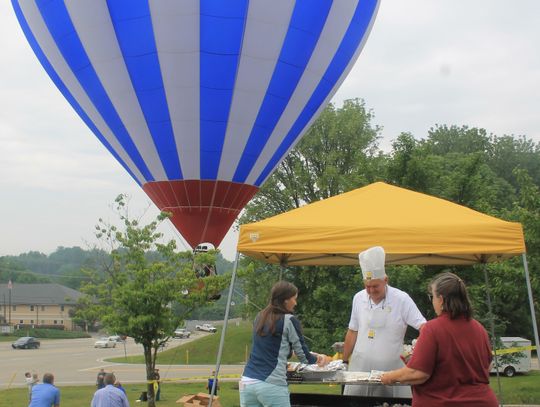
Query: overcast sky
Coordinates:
[427,62]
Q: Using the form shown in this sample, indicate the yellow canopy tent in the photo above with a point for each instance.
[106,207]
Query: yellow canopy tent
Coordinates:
[413,228]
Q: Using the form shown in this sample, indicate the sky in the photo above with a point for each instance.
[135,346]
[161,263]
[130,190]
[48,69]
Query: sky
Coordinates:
[426,62]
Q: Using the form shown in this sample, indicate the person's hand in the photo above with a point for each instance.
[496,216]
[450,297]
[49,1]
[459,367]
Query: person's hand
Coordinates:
[323,360]
[386,378]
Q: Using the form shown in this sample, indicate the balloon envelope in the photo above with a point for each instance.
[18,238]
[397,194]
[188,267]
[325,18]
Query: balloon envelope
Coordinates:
[199,100]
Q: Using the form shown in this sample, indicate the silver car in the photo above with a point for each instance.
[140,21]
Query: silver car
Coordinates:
[105,342]
[182,333]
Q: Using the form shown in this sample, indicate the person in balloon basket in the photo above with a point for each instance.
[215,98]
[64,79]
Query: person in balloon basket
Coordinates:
[45,394]
[379,318]
[451,360]
[276,332]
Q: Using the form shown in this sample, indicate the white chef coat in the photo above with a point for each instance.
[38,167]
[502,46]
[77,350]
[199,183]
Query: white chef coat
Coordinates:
[381,328]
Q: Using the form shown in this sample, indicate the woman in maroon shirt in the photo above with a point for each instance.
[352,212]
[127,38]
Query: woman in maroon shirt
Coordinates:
[451,360]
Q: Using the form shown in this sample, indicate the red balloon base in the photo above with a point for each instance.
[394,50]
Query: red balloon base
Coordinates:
[202,211]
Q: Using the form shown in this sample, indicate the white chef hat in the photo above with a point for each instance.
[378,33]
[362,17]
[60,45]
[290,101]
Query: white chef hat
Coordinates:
[372,263]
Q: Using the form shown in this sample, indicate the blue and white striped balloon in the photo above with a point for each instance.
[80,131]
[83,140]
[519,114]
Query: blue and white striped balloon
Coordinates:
[199,100]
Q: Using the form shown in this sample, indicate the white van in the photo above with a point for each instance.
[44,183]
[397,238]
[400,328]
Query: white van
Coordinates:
[512,363]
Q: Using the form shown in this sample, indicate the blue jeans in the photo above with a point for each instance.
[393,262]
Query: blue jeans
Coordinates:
[264,394]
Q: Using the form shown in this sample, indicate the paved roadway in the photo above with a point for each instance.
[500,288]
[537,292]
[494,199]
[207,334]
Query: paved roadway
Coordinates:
[76,362]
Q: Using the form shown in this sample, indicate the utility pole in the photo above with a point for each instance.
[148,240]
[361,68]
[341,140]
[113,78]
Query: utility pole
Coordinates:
[10,287]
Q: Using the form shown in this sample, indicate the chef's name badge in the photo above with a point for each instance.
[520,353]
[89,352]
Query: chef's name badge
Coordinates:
[371,334]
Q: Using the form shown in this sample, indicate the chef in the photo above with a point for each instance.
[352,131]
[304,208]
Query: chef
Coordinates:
[379,318]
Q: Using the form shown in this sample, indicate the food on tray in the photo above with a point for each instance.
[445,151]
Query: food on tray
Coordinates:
[373,376]
[293,366]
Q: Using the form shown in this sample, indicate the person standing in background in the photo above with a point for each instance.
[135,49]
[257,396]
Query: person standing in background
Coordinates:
[45,394]
[109,396]
[30,380]
[157,385]
[210,383]
[99,379]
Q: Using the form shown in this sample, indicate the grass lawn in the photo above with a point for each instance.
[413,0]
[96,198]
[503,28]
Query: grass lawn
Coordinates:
[521,389]
[43,334]
[203,351]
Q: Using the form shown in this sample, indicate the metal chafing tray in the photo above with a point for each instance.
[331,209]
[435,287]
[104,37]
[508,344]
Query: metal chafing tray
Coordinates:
[333,400]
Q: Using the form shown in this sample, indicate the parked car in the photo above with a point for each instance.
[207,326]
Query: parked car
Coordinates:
[26,342]
[117,338]
[206,327]
[182,333]
[105,342]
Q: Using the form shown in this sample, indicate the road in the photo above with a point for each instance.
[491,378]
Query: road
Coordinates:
[76,362]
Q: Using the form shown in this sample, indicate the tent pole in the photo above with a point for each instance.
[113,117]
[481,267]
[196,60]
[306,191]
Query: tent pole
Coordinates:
[531,304]
[494,338]
[225,322]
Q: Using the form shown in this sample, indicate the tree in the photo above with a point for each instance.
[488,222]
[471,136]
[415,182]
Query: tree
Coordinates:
[339,153]
[140,281]
[499,176]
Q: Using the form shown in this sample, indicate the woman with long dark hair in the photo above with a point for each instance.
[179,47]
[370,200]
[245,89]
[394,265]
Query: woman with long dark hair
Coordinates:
[276,334]
[451,360]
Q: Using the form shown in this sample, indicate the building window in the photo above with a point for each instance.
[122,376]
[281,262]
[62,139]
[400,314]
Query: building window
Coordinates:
[21,321]
[42,321]
[31,321]
[55,321]
[62,322]
[62,308]
[14,308]
[31,307]
[43,307]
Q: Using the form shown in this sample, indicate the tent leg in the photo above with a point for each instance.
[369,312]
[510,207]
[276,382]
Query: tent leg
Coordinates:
[225,322]
[494,338]
[531,304]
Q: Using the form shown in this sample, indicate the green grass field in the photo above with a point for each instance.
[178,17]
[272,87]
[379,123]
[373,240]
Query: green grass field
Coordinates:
[203,351]
[43,334]
[521,389]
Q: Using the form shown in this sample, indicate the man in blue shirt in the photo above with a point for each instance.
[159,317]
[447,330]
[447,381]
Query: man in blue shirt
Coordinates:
[45,394]
[109,396]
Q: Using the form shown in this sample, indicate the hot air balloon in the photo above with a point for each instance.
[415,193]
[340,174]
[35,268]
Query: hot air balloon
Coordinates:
[199,100]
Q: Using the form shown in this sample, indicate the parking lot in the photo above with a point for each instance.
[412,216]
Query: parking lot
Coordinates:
[76,362]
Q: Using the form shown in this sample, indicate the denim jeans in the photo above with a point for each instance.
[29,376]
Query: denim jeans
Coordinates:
[264,394]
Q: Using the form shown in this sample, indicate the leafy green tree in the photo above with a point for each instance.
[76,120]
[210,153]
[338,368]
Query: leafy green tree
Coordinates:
[338,154]
[509,153]
[141,279]
[495,175]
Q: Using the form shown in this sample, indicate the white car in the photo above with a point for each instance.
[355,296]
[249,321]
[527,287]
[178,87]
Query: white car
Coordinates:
[206,327]
[182,333]
[105,342]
